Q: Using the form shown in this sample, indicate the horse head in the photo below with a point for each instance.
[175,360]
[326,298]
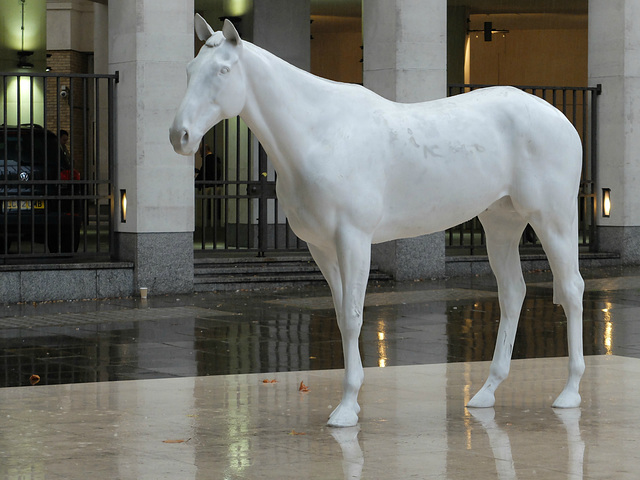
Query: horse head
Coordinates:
[215,86]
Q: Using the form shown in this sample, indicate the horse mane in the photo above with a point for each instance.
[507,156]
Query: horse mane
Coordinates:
[215,40]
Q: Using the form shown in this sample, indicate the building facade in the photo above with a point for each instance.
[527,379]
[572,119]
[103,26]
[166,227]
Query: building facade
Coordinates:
[410,52]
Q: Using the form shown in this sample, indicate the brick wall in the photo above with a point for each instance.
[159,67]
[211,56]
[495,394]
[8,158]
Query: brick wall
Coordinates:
[59,111]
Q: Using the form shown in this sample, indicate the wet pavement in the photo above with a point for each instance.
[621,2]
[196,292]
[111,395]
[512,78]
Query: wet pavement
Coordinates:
[261,331]
[212,386]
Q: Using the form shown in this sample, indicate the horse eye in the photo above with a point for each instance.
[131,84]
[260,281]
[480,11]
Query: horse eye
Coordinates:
[224,70]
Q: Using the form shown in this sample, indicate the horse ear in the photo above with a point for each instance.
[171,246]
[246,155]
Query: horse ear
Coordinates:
[203,29]
[230,32]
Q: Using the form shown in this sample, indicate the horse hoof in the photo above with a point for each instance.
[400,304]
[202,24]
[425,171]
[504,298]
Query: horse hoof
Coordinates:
[482,399]
[343,417]
[567,399]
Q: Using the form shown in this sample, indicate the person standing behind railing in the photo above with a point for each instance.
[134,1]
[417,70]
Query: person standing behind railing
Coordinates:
[65,155]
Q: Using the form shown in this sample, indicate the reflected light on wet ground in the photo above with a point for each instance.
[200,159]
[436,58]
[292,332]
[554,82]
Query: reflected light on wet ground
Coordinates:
[295,330]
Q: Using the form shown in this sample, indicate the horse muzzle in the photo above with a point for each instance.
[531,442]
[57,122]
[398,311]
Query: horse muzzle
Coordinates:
[183,143]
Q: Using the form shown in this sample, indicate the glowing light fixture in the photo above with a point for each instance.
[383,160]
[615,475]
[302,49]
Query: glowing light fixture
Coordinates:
[123,206]
[23,55]
[23,91]
[606,202]
[236,8]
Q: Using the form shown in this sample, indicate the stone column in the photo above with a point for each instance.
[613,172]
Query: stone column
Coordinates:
[150,43]
[405,60]
[456,42]
[283,28]
[614,62]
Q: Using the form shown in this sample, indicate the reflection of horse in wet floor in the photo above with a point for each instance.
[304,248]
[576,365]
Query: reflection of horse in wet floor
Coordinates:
[571,420]
[352,456]
[501,445]
[355,169]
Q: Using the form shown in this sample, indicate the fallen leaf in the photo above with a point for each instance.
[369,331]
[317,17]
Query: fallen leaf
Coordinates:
[176,441]
[269,381]
[293,432]
[303,388]
[34,379]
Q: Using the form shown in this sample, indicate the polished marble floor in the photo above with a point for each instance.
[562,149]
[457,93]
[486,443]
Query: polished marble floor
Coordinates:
[172,387]
[413,424]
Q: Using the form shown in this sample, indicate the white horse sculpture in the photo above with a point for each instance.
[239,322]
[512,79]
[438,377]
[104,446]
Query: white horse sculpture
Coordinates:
[356,169]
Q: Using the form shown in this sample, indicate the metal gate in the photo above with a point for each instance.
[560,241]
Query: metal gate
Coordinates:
[56,166]
[580,105]
[237,209]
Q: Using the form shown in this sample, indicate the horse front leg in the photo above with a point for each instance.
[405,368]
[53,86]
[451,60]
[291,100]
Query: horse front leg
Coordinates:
[347,272]
[503,228]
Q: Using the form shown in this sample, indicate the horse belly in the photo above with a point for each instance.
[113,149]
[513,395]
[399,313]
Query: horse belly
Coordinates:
[432,211]
[455,181]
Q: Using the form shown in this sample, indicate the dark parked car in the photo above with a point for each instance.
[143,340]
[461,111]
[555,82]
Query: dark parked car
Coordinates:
[37,200]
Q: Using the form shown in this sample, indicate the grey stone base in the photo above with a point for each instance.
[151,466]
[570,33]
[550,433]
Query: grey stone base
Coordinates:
[461,266]
[39,283]
[163,261]
[625,241]
[411,258]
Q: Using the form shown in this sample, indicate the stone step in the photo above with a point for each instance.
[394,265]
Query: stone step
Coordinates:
[237,273]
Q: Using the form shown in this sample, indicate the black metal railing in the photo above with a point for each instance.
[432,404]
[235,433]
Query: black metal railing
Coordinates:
[237,209]
[580,105]
[235,197]
[57,158]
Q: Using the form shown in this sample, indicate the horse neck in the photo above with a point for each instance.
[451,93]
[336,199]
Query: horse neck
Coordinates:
[279,99]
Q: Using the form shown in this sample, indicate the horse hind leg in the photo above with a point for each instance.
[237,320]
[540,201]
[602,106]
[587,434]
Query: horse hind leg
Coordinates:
[503,228]
[559,238]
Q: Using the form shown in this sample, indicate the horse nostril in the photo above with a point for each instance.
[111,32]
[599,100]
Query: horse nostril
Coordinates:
[179,138]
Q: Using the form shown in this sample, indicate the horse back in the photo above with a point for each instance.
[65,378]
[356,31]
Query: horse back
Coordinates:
[448,160]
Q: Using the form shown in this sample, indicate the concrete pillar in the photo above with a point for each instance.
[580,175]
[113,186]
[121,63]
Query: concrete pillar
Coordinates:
[283,28]
[456,42]
[614,62]
[405,60]
[100,38]
[70,25]
[150,43]
[101,66]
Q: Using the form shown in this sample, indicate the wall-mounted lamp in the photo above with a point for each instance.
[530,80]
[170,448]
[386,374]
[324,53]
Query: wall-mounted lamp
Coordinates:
[488,26]
[23,59]
[488,31]
[123,206]
[606,202]
[23,55]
